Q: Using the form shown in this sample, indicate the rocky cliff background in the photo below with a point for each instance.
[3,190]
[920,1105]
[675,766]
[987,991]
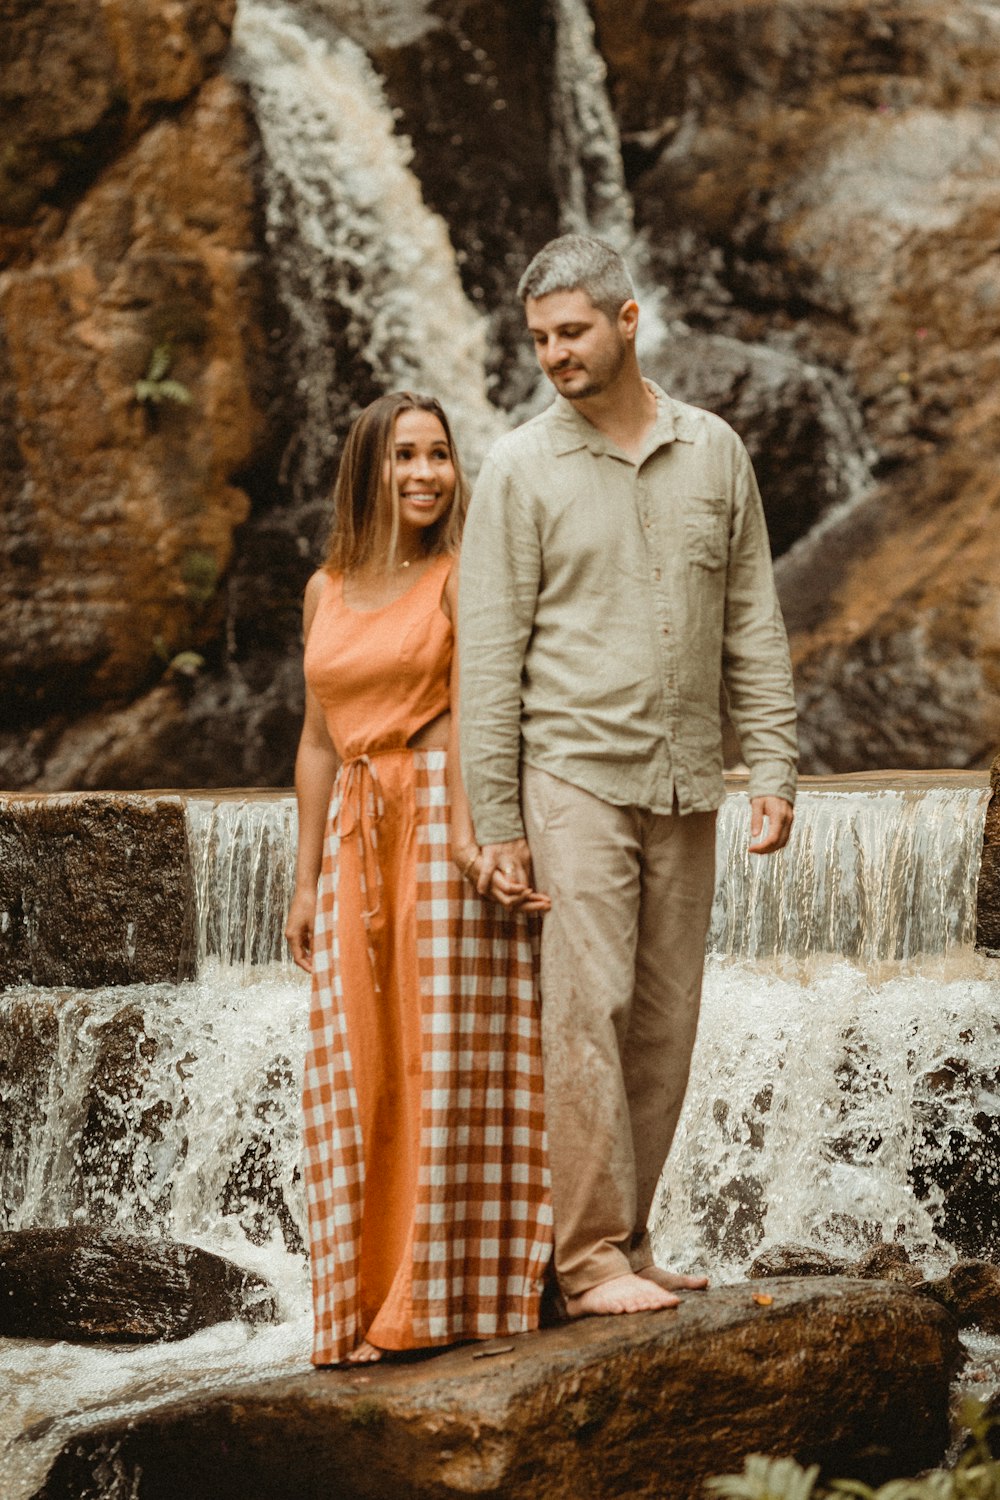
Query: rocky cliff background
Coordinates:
[188,321]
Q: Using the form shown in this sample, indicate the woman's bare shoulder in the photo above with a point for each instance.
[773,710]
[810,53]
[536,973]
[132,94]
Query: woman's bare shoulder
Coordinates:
[319,581]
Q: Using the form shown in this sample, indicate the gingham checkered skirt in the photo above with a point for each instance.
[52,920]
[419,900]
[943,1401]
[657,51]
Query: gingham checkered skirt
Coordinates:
[481,1236]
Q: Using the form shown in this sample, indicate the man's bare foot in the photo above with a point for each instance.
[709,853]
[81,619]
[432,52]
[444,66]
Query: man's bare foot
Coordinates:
[671,1281]
[622,1294]
[365,1354]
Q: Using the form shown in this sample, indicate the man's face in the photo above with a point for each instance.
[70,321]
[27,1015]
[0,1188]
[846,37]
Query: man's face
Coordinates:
[578,347]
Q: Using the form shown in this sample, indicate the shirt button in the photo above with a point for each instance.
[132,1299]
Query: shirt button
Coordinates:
[666,630]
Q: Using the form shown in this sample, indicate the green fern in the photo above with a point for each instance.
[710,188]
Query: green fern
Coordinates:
[155,387]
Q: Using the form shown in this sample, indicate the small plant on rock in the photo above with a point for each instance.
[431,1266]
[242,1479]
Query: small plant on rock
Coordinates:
[156,386]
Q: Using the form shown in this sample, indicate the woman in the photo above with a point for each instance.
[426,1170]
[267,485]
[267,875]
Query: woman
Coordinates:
[425,1154]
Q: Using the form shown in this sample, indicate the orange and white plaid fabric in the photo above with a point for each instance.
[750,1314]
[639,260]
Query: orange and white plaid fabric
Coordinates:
[481,1236]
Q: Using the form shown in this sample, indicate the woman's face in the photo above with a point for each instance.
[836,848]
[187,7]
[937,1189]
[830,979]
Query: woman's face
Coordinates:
[425,472]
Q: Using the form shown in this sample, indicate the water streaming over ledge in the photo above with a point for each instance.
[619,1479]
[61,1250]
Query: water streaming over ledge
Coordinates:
[845,1077]
[878,874]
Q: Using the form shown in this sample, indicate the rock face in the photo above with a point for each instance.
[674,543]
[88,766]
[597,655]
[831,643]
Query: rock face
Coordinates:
[852,1375]
[821,178]
[133,377]
[95,890]
[85,1286]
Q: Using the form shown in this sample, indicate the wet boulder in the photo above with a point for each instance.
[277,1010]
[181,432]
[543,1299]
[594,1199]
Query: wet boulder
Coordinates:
[852,1375]
[798,1260]
[887,1262]
[971,1292]
[86,1286]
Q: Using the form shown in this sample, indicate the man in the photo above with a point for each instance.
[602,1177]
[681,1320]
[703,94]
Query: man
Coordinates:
[615,573]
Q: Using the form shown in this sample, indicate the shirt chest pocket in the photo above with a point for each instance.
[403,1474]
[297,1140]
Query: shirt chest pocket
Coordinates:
[706,530]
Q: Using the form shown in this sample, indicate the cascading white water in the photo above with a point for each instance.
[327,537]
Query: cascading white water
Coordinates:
[196,1086]
[871,875]
[587,160]
[351,238]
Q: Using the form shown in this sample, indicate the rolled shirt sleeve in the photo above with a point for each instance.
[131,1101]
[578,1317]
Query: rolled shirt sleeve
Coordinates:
[498,589]
[756,668]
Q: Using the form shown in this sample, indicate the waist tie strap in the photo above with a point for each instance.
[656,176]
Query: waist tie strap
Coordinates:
[361,809]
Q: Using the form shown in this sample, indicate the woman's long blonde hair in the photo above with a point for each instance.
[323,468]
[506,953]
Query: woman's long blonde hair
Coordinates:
[365,527]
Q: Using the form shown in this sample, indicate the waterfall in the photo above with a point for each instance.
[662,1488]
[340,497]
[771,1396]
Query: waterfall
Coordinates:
[366,272]
[243,858]
[176,1107]
[587,165]
[587,159]
[832,1108]
[871,875]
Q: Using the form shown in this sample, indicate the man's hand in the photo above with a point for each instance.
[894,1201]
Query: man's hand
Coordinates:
[504,874]
[778,815]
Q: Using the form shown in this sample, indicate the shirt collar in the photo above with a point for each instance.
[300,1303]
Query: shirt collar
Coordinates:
[571,430]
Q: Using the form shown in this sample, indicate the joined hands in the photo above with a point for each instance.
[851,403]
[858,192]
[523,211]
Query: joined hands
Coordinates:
[502,873]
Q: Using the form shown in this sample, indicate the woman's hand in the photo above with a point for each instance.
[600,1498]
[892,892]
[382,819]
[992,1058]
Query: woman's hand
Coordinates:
[464,857]
[300,926]
[501,885]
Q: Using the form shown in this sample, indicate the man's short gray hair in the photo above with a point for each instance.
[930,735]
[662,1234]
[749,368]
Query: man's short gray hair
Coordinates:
[578,262]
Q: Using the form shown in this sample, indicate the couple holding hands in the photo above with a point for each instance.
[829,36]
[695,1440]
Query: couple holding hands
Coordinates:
[507,783]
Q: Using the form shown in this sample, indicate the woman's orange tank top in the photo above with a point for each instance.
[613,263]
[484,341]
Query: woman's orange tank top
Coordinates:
[382,674]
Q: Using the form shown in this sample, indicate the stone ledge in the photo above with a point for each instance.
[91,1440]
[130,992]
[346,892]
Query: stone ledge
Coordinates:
[851,1374]
[95,889]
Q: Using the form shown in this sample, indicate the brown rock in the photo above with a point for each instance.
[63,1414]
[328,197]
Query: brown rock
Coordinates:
[853,1375]
[888,1263]
[971,1293]
[821,178]
[988,893]
[122,511]
[96,891]
[77,81]
[79,1284]
[797,1260]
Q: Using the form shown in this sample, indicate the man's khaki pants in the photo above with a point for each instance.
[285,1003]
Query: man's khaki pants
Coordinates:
[622,956]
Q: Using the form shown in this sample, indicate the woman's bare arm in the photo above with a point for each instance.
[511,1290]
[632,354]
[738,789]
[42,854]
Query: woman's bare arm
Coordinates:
[315,769]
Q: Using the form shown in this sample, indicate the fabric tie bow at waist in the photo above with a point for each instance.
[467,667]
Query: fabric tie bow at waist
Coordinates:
[361,809]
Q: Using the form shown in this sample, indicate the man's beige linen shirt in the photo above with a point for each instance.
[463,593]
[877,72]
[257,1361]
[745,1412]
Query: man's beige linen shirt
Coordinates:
[602,602]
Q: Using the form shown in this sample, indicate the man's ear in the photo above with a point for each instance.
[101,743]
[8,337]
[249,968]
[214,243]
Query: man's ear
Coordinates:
[628,318]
